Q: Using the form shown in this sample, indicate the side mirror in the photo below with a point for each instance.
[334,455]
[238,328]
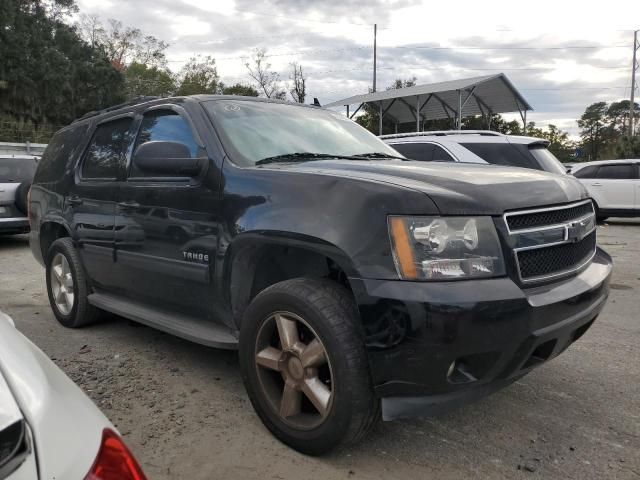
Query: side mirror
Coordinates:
[166,159]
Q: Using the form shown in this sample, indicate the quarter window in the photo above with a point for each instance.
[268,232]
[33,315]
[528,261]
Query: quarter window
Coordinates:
[441,155]
[106,150]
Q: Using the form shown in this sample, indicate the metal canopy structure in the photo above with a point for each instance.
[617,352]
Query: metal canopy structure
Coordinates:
[453,99]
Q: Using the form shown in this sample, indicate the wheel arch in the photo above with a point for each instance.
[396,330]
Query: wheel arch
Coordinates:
[50,231]
[255,261]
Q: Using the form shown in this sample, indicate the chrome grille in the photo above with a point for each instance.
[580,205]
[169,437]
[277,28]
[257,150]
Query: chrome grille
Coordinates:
[552,242]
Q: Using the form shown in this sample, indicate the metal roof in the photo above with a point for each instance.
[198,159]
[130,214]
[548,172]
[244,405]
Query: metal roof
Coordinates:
[478,96]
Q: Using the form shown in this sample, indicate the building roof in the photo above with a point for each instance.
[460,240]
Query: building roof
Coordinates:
[478,95]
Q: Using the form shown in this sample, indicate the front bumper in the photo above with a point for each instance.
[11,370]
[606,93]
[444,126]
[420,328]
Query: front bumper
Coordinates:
[432,346]
[14,225]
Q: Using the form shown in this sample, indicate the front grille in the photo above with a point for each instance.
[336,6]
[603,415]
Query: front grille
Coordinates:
[552,242]
[556,259]
[548,217]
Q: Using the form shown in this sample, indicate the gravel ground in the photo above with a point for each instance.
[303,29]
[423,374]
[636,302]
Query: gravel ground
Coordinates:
[183,411]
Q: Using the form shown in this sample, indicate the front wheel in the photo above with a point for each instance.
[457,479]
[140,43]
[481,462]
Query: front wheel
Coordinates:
[304,365]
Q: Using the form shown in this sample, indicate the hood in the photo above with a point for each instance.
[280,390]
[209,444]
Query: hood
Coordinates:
[458,188]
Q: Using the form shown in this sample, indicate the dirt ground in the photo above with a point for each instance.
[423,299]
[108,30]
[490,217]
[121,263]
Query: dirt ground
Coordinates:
[183,411]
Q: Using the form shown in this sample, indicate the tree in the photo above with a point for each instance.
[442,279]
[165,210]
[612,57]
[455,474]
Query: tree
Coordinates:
[240,89]
[298,90]
[123,44]
[198,76]
[594,129]
[141,79]
[49,73]
[268,81]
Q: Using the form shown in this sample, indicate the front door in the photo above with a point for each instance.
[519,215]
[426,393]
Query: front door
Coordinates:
[168,226]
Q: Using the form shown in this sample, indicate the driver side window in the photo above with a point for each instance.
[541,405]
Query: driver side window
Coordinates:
[164,125]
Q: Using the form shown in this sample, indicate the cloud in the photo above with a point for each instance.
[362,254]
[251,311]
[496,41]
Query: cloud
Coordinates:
[333,41]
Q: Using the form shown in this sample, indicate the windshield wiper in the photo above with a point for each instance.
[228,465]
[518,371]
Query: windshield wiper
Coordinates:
[304,157]
[380,155]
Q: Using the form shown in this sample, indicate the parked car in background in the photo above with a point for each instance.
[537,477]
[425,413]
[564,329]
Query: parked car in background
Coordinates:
[614,186]
[477,146]
[355,283]
[16,174]
[49,429]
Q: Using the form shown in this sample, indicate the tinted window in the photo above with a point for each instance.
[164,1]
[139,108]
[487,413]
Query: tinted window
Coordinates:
[621,171]
[167,126]
[502,154]
[547,160]
[105,152]
[586,172]
[17,170]
[416,151]
[441,155]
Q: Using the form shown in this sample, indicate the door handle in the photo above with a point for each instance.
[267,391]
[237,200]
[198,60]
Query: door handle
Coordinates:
[74,200]
[128,205]
[596,184]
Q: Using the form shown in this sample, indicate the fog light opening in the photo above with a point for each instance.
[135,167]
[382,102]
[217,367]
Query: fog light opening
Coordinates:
[458,373]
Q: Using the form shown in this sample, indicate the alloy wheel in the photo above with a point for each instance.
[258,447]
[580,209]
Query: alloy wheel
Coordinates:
[62,284]
[294,370]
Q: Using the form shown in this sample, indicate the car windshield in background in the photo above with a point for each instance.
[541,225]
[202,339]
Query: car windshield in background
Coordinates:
[547,159]
[17,170]
[254,131]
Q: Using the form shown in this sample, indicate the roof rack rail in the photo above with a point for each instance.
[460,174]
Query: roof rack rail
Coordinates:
[442,133]
[135,101]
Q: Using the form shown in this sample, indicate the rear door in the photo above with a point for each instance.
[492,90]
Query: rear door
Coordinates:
[91,203]
[614,186]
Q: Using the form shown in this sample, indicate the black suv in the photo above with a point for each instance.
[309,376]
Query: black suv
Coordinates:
[355,283]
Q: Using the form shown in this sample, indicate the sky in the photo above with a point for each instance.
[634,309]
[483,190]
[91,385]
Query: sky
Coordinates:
[561,55]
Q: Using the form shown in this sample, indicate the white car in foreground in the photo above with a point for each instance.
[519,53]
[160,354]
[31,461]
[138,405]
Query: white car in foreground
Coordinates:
[613,184]
[49,429]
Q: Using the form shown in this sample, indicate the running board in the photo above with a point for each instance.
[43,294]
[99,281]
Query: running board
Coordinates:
[193,329]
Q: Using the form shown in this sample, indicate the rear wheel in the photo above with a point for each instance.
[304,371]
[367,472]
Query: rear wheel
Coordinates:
[67,286]
[304,365]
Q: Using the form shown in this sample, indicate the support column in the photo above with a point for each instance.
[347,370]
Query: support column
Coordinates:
[459,109]
[418,113]
[524,120]
[347,110]
[380,115]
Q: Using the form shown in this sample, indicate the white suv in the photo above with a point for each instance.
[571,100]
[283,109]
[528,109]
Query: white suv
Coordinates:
[477,146]
[613,184]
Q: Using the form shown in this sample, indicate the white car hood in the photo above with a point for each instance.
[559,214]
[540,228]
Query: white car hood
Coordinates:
[66,426]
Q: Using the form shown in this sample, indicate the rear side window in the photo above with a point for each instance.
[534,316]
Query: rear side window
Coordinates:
[615,172]
[547,160]
[586,172]
[106,149]
[416,151]
[502,154]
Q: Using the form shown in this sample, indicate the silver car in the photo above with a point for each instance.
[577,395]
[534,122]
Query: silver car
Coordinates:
[16,174]
[49,429]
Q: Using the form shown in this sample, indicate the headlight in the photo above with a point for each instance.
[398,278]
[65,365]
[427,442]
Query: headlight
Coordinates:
[445,248]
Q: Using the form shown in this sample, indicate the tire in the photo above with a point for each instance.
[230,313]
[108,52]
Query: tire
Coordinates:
[327,311]
[80,313]
[599,218]
[21,199]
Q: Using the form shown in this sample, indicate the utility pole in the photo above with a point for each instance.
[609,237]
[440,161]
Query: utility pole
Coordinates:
[634,68]
[375,35]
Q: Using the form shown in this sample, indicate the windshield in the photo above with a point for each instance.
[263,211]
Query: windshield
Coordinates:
[253,131]
[17,170]
[547,159]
